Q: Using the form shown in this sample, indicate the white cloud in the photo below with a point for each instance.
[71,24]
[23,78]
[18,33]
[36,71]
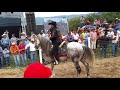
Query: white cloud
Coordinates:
[51,14]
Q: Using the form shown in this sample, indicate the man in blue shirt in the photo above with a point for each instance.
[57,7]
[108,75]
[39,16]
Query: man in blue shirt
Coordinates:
[5,41]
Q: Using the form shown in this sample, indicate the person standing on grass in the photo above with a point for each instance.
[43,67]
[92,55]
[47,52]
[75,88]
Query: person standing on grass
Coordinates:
[22,52]
[26,42]
[5,41]
[13,39]
[32,50]
[6,54]
[115,44]
[1,57]
[15,51]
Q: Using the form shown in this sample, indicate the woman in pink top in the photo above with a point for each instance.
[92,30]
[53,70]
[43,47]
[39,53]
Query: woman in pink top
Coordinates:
[22,52]
[93,37]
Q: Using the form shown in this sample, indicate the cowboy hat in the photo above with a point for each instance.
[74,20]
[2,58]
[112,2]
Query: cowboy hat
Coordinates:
[63,37]
[37,70]
[110,28]
[52,23]
[23,33]
[4,34]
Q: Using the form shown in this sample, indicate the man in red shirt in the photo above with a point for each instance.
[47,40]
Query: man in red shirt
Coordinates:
[22,52]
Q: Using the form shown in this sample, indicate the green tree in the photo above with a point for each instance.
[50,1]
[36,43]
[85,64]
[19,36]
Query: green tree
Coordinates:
[74,23]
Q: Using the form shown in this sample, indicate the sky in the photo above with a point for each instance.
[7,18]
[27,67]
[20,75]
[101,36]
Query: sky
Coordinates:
[51,14]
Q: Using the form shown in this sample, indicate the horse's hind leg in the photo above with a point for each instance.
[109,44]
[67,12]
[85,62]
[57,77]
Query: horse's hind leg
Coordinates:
[87,69]
[52,66]
[77,66]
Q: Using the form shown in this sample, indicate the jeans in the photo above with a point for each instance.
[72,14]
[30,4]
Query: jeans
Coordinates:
[103,51]
[7,59]
[33,56]
[1,60]
[28,53]
[17,60]
[23,56]
[86,43]
[114,49]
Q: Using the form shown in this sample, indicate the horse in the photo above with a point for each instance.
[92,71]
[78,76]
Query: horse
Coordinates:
[74,51]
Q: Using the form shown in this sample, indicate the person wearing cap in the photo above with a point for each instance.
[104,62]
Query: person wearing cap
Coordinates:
[56,41]
[5,41]
[110,34]
[37,70]
[26,42]
[15,51]
[22,52]
[104,42]
[31,45]
[6,54]
[23,36]
[6,32]
[116,20]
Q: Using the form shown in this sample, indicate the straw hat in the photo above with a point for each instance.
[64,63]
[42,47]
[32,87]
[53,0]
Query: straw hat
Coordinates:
[23,33]
[4,34]
[110,28]
[63,37]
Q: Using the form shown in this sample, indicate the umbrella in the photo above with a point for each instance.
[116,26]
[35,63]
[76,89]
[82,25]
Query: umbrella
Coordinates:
[117,27]
[89,26]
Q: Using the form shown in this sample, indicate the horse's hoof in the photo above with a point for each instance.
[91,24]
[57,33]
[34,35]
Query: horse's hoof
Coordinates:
[53,75]
[88,76]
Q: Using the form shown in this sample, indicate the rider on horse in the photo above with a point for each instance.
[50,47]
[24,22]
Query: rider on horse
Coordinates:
[56,41]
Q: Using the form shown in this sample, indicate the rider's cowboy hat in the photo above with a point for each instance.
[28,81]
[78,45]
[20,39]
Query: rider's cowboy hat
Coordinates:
[52,23]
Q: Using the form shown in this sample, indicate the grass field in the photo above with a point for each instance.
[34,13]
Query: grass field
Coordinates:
[103,68]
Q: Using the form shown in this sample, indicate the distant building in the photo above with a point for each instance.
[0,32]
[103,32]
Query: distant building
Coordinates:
[13,22]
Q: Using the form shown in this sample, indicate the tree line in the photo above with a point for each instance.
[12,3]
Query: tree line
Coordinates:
[74,23]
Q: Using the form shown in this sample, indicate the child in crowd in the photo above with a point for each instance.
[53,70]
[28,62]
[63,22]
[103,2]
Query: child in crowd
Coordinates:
[1,57]
[15,51]
[6,54]
[22,52]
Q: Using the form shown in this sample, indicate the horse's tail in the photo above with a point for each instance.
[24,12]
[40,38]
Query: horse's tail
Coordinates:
[89,56]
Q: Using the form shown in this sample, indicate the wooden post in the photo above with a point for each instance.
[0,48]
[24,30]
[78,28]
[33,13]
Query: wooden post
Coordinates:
[40,55]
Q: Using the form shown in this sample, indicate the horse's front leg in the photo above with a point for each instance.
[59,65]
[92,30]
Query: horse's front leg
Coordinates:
[52,67]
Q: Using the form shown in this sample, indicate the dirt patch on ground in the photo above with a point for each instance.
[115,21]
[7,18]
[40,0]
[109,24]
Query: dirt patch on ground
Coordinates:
[104,68]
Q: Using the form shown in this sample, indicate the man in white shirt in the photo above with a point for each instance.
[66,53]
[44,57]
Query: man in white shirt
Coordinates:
[32,50]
